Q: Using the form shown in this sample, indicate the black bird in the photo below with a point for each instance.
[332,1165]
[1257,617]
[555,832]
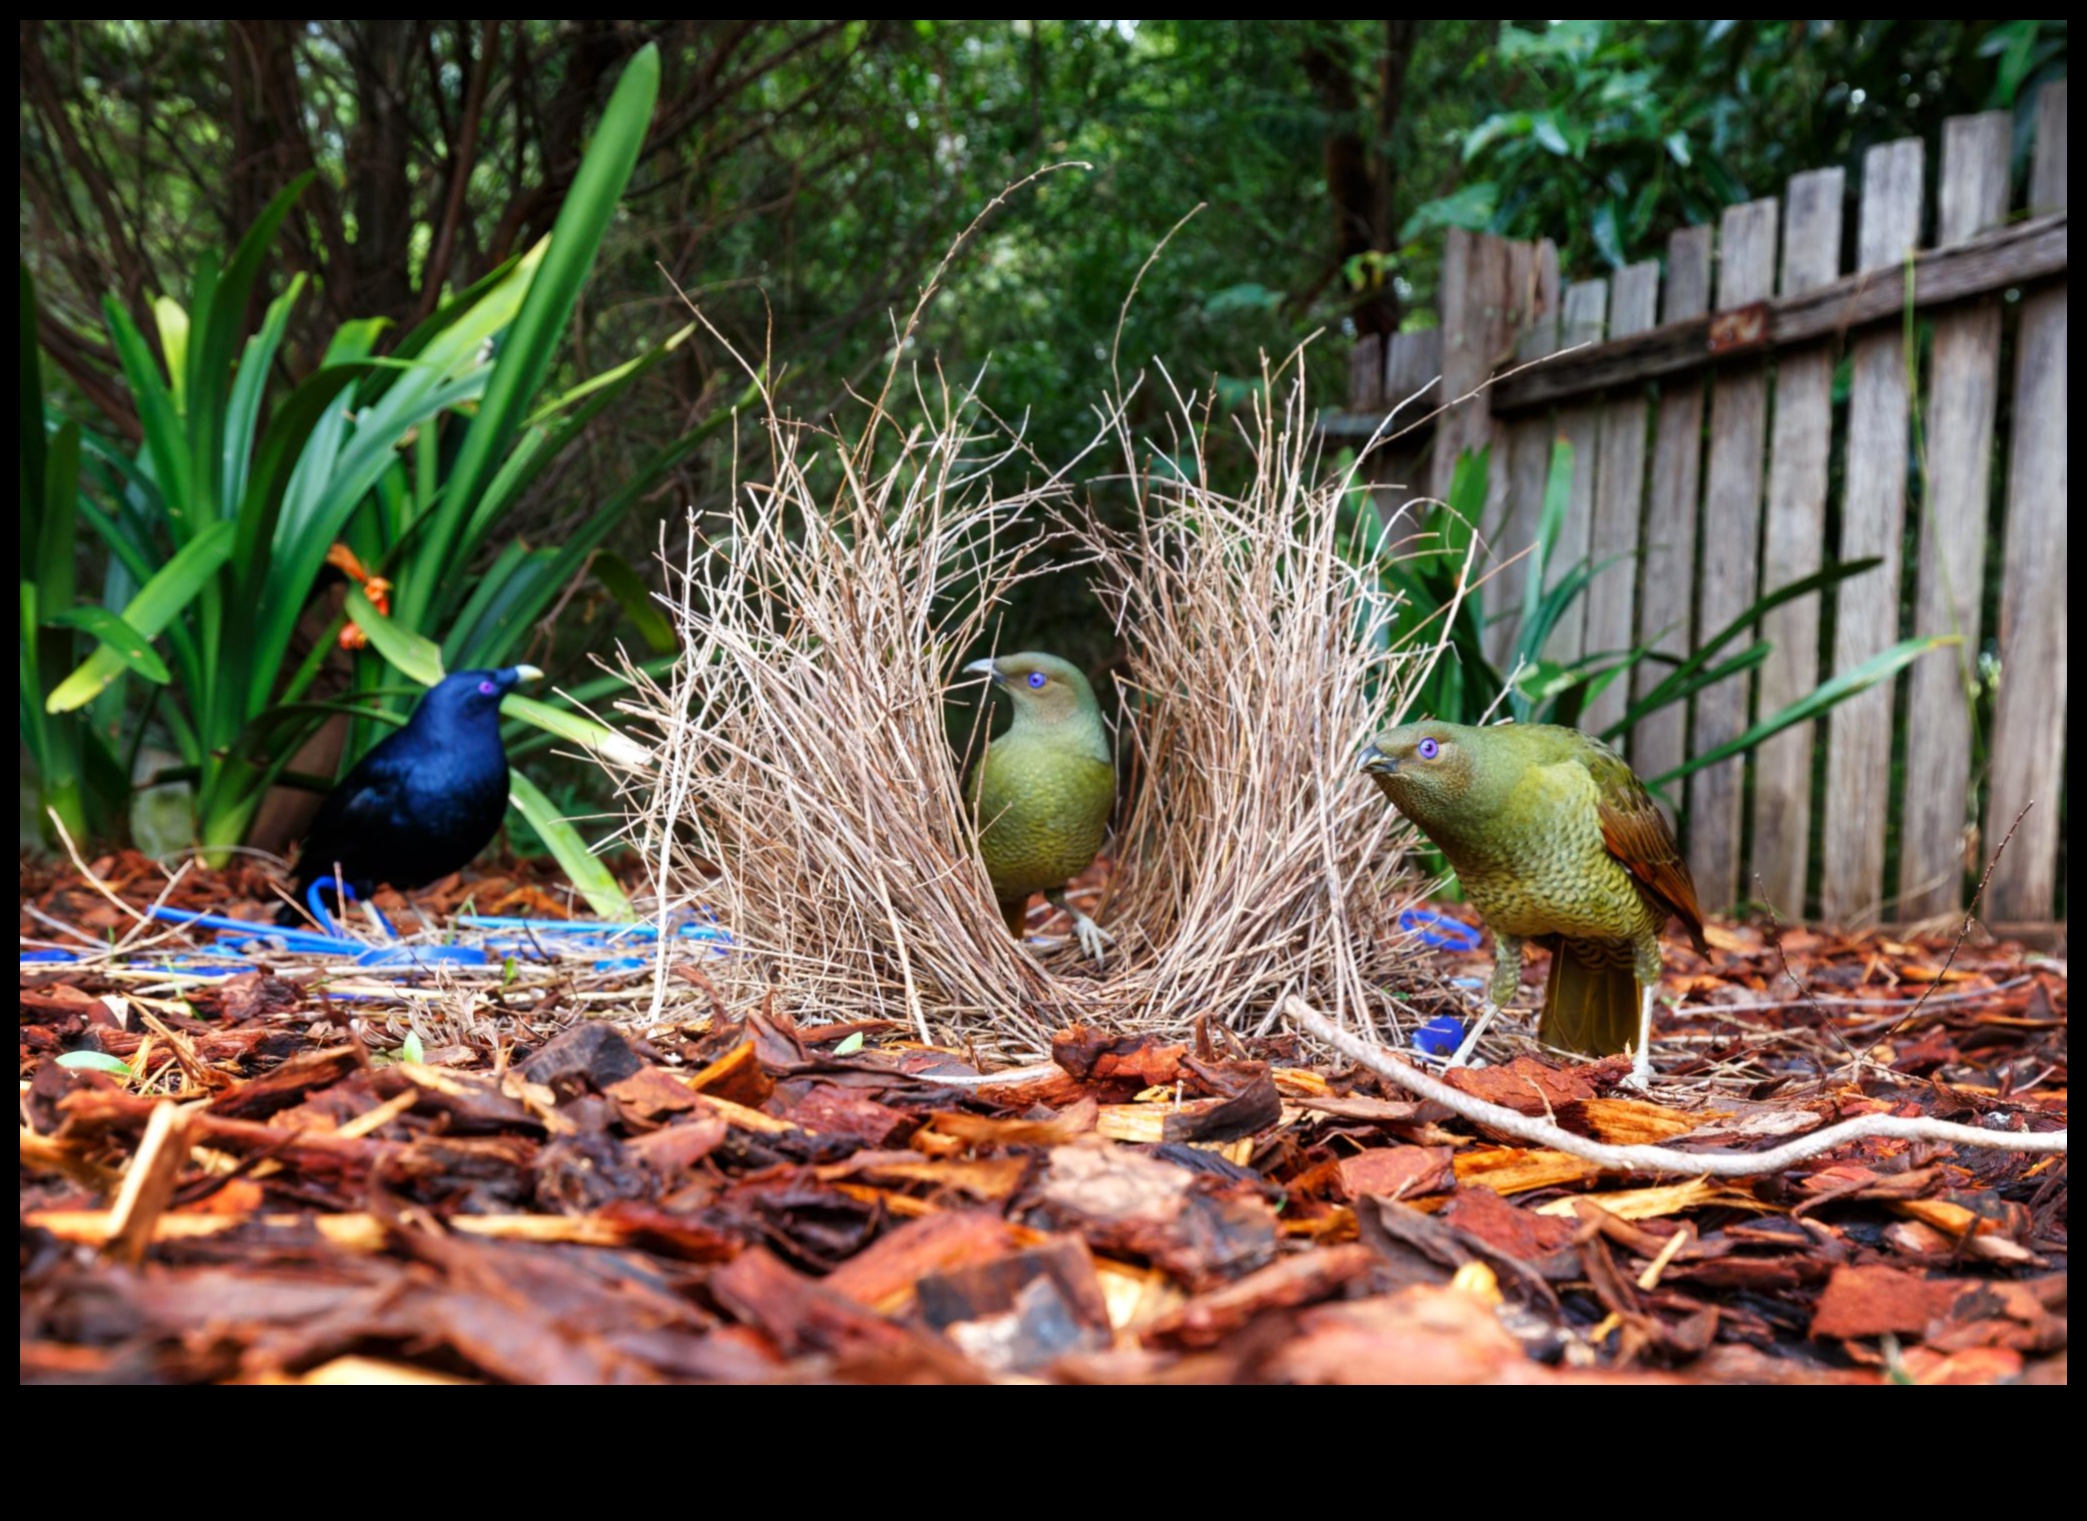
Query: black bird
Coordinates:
[426,799]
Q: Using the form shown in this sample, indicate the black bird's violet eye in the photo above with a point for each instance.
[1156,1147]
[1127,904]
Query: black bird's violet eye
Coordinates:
[1429,749]
[487,688]
[1036,679]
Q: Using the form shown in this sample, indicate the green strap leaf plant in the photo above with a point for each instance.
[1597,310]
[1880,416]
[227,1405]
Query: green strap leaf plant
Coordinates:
[219,526]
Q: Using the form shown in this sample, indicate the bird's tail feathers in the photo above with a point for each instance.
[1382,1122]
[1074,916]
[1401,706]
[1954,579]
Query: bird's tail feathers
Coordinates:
[1591,1000]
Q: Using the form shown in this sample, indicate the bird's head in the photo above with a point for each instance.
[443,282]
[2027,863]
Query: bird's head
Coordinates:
[1424,768]
[1045,689]
[474,696]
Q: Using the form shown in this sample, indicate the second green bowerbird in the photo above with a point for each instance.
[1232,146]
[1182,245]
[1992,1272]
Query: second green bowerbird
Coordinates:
[1555,840]
[1043,790]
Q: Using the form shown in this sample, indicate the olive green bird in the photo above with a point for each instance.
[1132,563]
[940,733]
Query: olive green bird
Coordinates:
[1043,790]
[1555,840]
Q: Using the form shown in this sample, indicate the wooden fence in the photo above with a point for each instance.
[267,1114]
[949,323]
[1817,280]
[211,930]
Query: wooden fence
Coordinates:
[1712,454]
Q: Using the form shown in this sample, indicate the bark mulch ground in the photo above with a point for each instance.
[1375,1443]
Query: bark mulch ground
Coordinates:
[299,1174]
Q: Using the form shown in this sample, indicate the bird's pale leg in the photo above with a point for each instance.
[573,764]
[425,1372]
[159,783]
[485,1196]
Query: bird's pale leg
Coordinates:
[1092,937]
[1507,981]
[1645,955]
[1641,1058]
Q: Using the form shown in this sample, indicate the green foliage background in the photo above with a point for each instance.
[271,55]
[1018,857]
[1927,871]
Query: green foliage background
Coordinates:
[801,180]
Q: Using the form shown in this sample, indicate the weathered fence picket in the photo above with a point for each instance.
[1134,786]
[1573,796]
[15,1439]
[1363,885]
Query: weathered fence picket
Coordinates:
[1793,546]
[1666,620]
[1963,393]
[1730,575]
[2028,742]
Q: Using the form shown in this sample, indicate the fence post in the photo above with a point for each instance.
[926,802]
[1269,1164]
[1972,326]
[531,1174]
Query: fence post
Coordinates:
[1619,494]
[2029,722]
[1585,310]
[1957,456]
[1873,517]
[1660,742]
[1515,489]
[1474,300]
[1793,542]
[1731,552]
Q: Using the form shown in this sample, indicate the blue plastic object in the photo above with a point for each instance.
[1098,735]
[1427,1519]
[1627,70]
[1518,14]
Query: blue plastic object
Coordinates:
[1440,1036]
[537,940]
[315,900]
[424,955]
[236,933]
[1439,930]
[49,953]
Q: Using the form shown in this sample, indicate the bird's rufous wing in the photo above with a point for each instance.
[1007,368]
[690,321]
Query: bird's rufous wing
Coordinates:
[1636,834]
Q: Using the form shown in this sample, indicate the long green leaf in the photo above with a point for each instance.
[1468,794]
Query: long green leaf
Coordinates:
[1879,667]
[486,626]
[117,637]
[585,869]
[574,551]
[526,743]
[635,597]
[1676,683]
[58,494]
[418,658]
[170,319]
[1550,522]
[612,381]
[409,347]
[219,310]
[165,441]
[157,603]
[266,605]
[1697,678]
[532,343]
[242,417]
[577,727]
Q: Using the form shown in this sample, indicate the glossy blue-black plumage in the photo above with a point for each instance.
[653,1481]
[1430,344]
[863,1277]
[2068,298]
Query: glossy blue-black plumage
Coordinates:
[424,801]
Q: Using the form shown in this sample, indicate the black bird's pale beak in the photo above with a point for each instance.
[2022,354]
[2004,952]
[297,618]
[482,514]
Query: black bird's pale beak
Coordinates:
[986,668]
[1376,762]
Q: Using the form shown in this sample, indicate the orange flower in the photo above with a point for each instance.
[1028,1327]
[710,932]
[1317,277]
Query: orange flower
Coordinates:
[376,588]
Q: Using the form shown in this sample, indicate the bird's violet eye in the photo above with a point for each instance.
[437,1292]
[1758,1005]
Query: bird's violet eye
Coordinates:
[488,689]
[1429,749]
[1036,679]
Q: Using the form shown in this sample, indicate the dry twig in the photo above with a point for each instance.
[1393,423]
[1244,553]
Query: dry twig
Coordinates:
[1659,1159]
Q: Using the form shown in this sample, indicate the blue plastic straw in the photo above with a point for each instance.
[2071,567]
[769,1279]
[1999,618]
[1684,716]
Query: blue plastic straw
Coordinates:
[1439,930]
[240,937]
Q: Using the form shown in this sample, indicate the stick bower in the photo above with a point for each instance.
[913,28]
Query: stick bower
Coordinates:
[804,786]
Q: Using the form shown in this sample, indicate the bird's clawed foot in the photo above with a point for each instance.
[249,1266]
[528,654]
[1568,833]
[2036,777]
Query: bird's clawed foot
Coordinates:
[1094,940]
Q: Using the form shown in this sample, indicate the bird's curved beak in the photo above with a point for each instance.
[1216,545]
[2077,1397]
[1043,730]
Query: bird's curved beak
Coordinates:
[528,673]
[1376,762]
[988,669]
